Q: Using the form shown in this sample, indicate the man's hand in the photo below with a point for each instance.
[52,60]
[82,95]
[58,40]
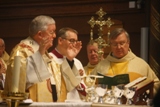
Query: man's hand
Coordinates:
[73,50]
[81,72]
[81,89]
[44,45]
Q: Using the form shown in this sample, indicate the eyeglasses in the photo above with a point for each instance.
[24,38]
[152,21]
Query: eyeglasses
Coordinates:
[71,40]
[92,51]
[117,44]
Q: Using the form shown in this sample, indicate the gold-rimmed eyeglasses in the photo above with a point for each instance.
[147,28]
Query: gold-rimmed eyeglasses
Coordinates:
[121,44]
[71,40]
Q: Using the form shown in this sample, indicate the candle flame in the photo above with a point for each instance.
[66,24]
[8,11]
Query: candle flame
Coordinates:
[17,53]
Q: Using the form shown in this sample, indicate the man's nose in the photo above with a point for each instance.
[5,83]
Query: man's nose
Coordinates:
[119,46]
[93,52]
[54,35]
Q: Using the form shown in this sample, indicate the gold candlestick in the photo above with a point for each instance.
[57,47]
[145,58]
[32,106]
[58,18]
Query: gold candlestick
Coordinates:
[14,97]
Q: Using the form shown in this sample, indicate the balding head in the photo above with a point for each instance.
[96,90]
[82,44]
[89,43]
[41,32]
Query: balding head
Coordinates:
[2,47]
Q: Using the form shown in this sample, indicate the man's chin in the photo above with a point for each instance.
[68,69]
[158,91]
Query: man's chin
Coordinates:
[119,56]
[50,46]
[94,62]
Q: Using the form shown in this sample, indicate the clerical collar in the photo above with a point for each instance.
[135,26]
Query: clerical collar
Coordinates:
[113,55]
[57,54]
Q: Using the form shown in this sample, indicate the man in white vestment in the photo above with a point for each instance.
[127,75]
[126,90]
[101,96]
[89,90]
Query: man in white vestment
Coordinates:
[38,70]
[65,52]
[122,60]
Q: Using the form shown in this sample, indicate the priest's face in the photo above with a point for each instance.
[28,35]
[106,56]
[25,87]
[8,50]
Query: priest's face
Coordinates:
[70,39]
[92,53]
[120,46]
[47,36]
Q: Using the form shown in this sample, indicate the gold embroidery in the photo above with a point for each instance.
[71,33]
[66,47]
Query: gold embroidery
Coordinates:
[26,46]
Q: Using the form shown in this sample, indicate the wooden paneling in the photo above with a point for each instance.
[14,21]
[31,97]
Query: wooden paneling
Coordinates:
[16,15]
[154,58]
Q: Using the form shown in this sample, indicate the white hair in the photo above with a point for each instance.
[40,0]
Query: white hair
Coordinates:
[40,23]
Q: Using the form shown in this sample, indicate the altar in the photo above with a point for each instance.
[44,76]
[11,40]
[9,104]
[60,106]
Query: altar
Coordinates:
[111,105]
[72,104]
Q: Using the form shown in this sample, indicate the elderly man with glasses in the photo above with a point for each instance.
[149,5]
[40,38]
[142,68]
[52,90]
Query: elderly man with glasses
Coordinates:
[122,60]
[36,66]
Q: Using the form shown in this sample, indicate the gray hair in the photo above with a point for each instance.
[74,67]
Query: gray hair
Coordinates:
[116,32]
[40,23]
[92,42]
[62,32]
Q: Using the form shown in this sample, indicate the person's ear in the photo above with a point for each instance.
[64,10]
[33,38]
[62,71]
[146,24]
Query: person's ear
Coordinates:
[129,42]
[60,40]
[39,34]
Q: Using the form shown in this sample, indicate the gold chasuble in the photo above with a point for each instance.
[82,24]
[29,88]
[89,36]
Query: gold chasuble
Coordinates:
[89,68]
[5,57]
[129,64]
[117,68]
[37,73]
[42,91]
[89,71]
[63,92]
[121,68]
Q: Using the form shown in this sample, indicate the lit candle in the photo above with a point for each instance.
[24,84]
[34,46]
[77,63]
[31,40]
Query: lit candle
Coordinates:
[16,72]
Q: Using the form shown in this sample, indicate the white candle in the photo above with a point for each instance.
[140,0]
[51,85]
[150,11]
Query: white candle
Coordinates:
[16,72]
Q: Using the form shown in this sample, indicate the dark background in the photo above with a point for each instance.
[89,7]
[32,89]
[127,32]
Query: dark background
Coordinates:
[15,16]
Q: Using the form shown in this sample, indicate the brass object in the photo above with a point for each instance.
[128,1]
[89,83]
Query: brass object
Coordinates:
[90,81]
[13,98]
[100,22]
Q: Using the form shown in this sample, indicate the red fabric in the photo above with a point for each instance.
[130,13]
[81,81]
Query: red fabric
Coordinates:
[83,92]
[58,55]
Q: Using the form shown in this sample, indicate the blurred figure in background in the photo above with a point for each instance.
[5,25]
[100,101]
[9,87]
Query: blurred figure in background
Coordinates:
[93,57]
[4,57]
[3,54]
